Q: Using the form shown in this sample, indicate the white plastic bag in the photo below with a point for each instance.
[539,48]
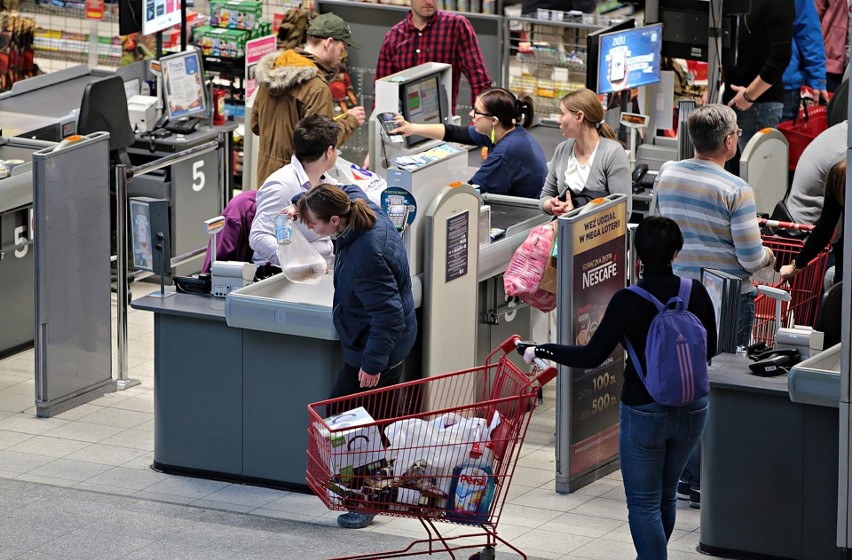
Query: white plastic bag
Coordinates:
[443,443]
[300,262]
[348,173]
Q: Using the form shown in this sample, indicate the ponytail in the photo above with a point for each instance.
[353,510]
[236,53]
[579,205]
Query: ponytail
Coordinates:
[606,131]
[524,112]
[361,216]
[326,200]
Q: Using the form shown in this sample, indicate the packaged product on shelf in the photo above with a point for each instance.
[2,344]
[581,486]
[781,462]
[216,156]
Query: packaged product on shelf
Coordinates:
[235,14]
[222,43]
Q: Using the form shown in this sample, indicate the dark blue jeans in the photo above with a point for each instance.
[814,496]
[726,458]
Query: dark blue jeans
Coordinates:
[745,322]
[757,117]
[655,442]
[792,99]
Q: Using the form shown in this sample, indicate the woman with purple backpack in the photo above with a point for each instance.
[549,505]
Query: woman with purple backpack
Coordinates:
[655,439]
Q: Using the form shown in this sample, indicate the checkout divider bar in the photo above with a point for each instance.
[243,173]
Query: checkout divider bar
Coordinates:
[122,172]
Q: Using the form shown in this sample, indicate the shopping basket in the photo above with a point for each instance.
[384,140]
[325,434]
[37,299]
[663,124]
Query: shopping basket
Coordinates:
[439,449]
[800,132]
[805,289]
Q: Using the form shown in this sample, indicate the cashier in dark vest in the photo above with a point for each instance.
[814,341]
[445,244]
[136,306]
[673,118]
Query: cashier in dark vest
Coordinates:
[515,164]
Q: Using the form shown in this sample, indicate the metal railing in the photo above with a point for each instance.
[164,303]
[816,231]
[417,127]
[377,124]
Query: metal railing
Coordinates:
[122,174]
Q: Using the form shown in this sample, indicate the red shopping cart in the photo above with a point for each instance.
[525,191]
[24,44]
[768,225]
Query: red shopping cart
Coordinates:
[800,132]
[805,289]
[439,449]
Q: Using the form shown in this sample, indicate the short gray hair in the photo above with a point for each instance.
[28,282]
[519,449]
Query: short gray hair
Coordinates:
[709,125]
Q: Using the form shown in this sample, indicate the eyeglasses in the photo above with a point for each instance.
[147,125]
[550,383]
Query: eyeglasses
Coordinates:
[478,113]
[737,132]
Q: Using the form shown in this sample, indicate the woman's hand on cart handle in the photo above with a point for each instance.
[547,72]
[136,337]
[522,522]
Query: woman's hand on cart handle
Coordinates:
[529,356]
[526,349]
[368,380]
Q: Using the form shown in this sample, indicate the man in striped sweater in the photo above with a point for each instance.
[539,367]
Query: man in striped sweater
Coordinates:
[714,209]
[716,213]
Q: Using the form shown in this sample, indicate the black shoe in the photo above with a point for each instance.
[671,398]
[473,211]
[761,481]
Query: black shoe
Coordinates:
[682,490]
[354,520]
[695,499]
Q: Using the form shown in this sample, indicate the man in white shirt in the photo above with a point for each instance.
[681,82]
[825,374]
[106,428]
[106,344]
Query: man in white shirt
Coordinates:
[315,152]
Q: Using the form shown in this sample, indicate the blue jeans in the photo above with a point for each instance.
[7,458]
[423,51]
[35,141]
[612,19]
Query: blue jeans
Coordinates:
[655,442]
[745,322]
[756,117]
[792,99]
[692,471]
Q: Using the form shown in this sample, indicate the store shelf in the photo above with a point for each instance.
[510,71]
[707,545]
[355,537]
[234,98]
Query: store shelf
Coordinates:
[75,58]
[110,11]
[547,59]
[62,31]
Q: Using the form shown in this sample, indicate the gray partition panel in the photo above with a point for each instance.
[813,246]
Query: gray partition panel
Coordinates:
[198,400]
[282,374]
[72,251]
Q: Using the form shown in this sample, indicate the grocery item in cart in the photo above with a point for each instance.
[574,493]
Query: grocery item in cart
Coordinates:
[443,443]
[358,445]
[504,395]
[471,491]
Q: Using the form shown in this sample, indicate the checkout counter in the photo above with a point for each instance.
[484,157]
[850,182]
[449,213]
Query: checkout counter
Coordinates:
[16,243]
[233,377]
[770,460]
[46,107]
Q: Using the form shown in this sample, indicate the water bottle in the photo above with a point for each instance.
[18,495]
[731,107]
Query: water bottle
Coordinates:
[283,229]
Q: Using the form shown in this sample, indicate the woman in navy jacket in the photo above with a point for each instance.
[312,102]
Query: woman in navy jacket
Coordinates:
[515,164]
[373,303]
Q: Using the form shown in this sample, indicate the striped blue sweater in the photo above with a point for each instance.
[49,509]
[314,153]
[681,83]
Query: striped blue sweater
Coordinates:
[716,213]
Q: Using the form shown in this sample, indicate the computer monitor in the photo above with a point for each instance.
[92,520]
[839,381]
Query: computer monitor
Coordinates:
[160,15]
[423,103]
[629,58]
[183,79]
[420,94]
[593,43]
[103,108]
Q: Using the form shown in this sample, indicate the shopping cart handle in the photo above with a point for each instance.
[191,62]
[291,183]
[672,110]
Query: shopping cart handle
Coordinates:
[774,293]
[547,372]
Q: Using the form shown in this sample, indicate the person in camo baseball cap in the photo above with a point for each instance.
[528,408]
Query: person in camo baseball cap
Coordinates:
[331,25]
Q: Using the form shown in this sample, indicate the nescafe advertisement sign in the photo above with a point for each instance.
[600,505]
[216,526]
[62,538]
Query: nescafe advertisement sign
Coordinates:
[599,268]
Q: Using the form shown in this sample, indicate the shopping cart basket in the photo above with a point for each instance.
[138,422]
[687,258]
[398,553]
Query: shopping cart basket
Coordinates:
[443,448]
[800,132]
[805,289]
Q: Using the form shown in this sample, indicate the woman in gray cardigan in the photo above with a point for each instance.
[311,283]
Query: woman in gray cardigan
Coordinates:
[591,163]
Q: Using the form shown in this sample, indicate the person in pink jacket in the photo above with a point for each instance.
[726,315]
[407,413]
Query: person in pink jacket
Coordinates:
[834,21]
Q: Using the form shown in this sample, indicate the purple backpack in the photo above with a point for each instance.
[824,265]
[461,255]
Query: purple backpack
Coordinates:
[675,351]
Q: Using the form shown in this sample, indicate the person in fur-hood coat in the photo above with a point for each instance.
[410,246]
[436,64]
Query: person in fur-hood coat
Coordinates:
[293,84]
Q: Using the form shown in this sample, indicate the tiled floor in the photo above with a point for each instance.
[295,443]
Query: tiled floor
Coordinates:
[80,486]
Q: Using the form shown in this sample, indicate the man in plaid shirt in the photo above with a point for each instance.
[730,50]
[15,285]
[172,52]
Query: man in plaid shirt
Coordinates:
[430,35]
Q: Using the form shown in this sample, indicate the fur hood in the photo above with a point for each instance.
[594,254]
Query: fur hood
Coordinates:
[283,70]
